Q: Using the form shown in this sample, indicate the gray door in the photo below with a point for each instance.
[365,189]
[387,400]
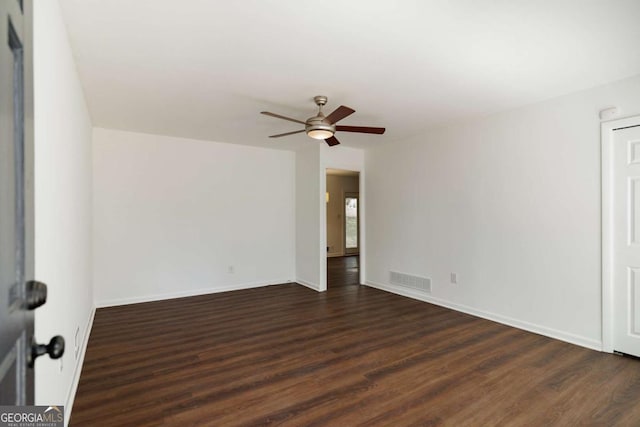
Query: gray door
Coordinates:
[19,293]
[16,266]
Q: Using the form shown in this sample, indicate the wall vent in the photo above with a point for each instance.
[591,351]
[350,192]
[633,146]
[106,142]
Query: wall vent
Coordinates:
[410,281]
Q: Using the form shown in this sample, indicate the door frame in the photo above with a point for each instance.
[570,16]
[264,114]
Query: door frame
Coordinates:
[323,218]
[607,144]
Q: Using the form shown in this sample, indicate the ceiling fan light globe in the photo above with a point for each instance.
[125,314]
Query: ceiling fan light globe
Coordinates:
[320,134]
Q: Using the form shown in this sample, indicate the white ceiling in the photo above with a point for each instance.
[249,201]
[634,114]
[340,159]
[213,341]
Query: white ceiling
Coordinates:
[205,69]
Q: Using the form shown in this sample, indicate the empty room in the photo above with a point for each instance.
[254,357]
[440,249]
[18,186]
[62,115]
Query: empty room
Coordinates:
[340,213]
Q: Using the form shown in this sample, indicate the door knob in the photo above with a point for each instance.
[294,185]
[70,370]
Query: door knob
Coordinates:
[55,349]
[36,294]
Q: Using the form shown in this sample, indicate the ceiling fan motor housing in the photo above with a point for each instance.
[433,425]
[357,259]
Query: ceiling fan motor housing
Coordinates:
[318,124]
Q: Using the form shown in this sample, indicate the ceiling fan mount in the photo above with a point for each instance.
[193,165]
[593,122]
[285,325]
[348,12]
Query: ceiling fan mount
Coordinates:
[320,100]
[321,127]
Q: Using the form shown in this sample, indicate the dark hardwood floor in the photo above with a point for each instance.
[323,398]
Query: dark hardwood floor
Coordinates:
[286,355]
[343,271]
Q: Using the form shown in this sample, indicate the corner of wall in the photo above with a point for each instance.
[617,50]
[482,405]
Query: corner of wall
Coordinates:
[71,396]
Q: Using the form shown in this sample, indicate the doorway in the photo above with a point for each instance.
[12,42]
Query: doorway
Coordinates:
[343,227]
[621,236]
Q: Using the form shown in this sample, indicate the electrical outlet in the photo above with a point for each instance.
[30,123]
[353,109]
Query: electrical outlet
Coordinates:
[454,278]
[230,270]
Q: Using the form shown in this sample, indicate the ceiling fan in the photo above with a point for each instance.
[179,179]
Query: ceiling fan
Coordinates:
[321,127]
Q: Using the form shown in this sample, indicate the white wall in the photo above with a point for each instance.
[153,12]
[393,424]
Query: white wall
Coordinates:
[62,205]
[172,215]
[341,157]
[511,203]
[312,162]
[309,203]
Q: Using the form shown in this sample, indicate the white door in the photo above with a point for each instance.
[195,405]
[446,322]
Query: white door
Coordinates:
[626,240]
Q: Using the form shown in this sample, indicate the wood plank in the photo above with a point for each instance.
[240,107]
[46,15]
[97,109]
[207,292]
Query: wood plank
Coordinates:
[351,356]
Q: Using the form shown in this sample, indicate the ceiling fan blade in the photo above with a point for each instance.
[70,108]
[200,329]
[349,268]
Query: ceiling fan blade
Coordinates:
[340,113]
[361,129]
[332,141]
[278,116]
[285,134]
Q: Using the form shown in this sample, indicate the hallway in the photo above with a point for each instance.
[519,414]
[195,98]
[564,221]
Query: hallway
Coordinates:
[343,271]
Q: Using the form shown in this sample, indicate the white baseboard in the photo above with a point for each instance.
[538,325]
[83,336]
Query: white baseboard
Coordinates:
[308,285]
[71,397]
[189,293]
[527,326]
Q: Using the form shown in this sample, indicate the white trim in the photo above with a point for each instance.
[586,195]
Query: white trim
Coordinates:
[607,139]
[362,260]
[190,293]
[71,397]
[309,285]
[322,227]
[531,327]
